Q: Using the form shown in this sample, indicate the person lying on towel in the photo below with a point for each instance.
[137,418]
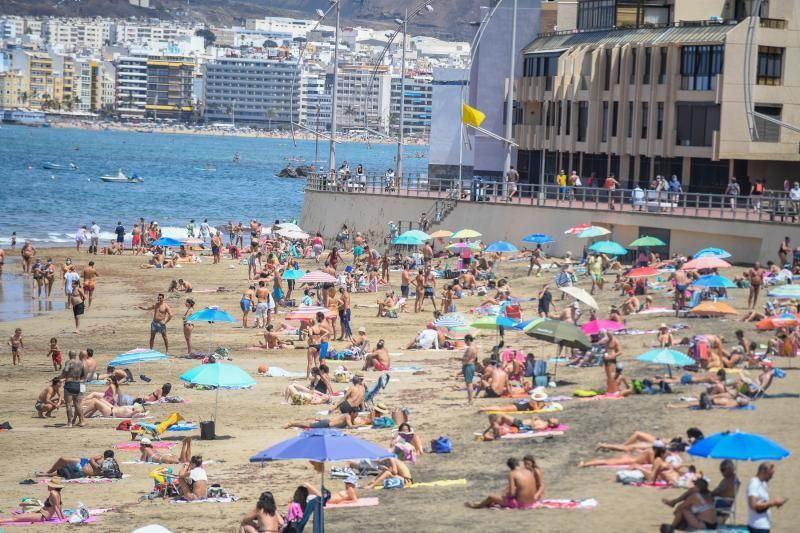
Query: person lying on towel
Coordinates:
[500,425]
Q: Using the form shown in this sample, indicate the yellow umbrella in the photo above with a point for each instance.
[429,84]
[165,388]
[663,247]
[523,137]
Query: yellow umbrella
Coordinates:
[441,234]
[713,308]
[465,234]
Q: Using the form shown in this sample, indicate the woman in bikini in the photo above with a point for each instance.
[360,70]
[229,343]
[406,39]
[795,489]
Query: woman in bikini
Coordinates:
[103,408]
[319,390]
[50,508]
[645,457]
[158,394]
[149,455]
[697,512]
[111,393]
[265,518]
[188,327]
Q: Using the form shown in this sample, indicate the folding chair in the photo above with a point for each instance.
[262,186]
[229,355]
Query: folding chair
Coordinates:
[381,384]
[156,430]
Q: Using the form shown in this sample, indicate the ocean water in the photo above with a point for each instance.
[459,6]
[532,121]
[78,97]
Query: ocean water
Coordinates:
[16,298]
[48,206]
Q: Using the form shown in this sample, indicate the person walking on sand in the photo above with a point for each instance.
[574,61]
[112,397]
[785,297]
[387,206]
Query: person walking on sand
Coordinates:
[759,515]
[468,365]
[28,252]
[74,376]
[162,314]
[17,344]
[77,301]
[94,236]
[89,282]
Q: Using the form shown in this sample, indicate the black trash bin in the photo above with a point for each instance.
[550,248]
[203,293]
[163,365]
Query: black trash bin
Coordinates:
[208,430]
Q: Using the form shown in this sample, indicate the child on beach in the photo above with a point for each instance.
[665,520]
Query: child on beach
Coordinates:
[55,354]
[16,345]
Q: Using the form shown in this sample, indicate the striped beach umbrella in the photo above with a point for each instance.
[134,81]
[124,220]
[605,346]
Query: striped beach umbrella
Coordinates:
[308,313]
[465,234]
[317,276]
[451,320]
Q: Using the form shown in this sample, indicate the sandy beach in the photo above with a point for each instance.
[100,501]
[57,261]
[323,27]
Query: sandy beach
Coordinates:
[251,420]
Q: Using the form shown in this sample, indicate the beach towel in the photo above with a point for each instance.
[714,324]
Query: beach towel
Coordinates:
[748,407]
[97,382]
[120,417]
[655,311]
[552,408]
[405,369]
[651,484]
[93,514]
[604,396]
[84,480]
[137,462]
[221,499]
[361,502]
[158,445]
[438,483]
[558,504]
[167,400]
[186,426]
[278,372]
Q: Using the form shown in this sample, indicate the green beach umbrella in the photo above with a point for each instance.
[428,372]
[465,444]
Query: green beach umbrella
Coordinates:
[646,242]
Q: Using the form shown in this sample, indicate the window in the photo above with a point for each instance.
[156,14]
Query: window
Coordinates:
[558,120]
[540,65]
[770,65]
[662,66]
[629,129]
[696,123]
[607,77]
[645,113]
[568,127]
[596,14]
[633,66]
[614,119]
[660,121]
[700,66]
[767,131]
[648,59]
[583,120]
[604,129]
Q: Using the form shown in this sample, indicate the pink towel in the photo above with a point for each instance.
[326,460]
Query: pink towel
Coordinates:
[159,445]
[602,397]
[652,484]
[92,517]
[361,502]
[565,504]
[82,480]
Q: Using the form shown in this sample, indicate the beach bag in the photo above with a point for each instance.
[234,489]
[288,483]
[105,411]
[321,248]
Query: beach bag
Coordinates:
[626,477]
[110,469]
[393,483]
[383,422]
[441,445]
[30,505]
[79,515]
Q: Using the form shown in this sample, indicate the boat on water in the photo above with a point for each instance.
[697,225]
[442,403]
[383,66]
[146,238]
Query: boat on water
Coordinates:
[207,168]
[120,177]
[47,165]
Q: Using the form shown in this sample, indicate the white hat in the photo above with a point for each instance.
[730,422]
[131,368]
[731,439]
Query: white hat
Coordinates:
[538,394]
[146,441]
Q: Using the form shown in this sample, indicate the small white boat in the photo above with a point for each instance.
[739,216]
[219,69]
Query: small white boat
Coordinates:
[122,178]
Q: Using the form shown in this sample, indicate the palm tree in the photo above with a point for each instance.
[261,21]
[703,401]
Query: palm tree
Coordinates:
[270,114]
[24,97]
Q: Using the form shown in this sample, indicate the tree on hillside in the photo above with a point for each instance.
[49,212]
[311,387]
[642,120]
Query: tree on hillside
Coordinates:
[208,36]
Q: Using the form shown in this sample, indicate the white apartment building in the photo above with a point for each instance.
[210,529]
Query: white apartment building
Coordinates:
[131,86]
[315,99]
[294,27]
[149,35]
[361,99]
[77,33]
[250,91]
[418,105]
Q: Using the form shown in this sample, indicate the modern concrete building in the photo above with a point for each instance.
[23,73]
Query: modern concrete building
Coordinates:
[131,86]
[360,102]
[447,147]
[77,33]
[169,87]
[11,88]
[418,105]
[658,88]
[314,99]
[251,91]
[36,69]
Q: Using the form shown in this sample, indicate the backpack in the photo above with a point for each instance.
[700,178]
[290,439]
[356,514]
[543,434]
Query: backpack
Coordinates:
[705,402]
[393,483]
[110,469]
[441,445]
[626,477]
[383,422]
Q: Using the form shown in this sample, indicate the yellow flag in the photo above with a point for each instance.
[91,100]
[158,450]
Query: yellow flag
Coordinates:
[471,116]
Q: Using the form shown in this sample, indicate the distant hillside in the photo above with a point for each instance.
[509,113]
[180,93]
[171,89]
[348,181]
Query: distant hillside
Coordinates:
[450,20]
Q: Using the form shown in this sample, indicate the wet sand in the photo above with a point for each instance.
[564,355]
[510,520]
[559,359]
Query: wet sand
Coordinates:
[252,420]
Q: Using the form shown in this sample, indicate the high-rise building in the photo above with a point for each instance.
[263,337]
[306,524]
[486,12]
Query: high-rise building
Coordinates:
[39,83]
[363,97]
[315,99]
[418,105]
[169,87]
[659,89]
[131,86]
[251,91]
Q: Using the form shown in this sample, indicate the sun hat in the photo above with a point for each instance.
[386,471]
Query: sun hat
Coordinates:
[56,483]
[538,395]
[663,326]
[146,441]
[351,479]
[362,329]
[380,407]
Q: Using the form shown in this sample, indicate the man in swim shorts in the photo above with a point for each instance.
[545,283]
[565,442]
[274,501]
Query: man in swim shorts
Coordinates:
[521,491]
[468,365]
[162,314]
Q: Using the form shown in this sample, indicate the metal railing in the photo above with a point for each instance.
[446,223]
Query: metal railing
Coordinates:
[776,24]
[772,207]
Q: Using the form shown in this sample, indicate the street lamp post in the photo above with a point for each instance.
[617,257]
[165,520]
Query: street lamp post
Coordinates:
[510,98]
[332,154]
[402,137]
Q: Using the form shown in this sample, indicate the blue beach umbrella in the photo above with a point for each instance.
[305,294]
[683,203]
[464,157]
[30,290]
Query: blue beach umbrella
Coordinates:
[738,446]
[502,246]
[419,234]
[665,356]
[719,253]
[219,375]
[714,281]
[409,240]
[538,238]
[493,322]
[167,241]
[293,274]
[210,314]
[322,446]
[139,355]
[608,248]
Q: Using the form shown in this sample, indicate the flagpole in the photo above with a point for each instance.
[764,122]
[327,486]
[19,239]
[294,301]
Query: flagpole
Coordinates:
[510,99]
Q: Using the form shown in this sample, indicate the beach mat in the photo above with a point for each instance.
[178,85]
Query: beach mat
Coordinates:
[405,369]
[278,372]
[553,408]
[651,484]
[93,514]
[85,480]
[224,499]
[361,502]
[601,397]
[438,483]
[137,462]
[158,445]
[557,504]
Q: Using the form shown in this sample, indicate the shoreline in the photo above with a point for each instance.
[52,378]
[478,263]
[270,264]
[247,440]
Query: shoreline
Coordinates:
[299,134]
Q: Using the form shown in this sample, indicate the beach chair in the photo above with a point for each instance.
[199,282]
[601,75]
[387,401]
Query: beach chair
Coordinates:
[381,384]
[313,509]
[156,430]
[724,508]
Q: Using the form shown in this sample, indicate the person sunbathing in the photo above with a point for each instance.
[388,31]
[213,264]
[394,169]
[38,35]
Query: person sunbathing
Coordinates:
[110,395]
[643,457]
[49,399]
[378,360]
[640,440]
[520,493]
[272,341]
[664,338]
[77,467]
[664,470]
[537,402]
[726,400]
[51,508]
[158,394]
[348,420]
[529,462]
[348,495]
[103,408]
[725,491]
[265,517]
[193,480]
[696,512]
[500,425]
[630,305]
[386,303]
[319,390]
[392,468]
[149,455]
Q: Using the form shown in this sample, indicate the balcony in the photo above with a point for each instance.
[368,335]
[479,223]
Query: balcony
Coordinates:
[775,24]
